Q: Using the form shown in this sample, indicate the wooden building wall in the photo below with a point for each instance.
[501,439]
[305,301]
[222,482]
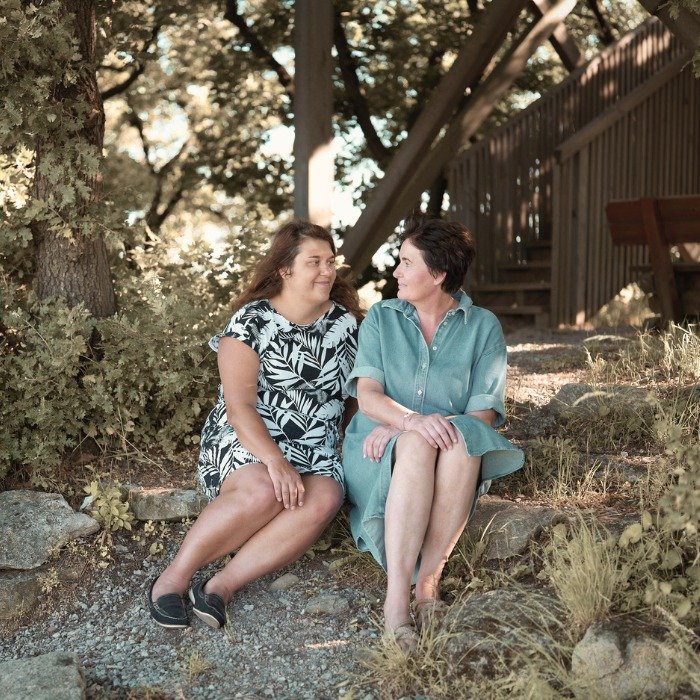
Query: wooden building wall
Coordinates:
[650,150]
[503,187]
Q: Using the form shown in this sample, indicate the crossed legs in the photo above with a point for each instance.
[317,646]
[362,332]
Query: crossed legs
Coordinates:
[429,499]
[246,516]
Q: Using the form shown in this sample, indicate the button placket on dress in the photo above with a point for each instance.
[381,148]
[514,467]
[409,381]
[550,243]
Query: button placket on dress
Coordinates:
[420,382]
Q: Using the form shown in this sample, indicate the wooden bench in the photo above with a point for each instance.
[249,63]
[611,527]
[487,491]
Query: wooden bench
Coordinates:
[660,224]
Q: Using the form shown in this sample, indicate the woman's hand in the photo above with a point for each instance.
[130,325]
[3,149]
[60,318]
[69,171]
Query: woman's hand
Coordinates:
[436,429]
[375,443]
[289,488]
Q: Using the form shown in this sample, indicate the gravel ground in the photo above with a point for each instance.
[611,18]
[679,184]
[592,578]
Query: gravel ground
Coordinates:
[273,646]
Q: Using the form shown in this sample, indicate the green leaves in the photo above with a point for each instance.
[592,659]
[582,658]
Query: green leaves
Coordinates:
[108,508]
[56,391]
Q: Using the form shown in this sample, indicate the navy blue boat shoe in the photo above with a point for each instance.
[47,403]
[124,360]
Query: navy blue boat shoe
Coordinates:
[208,607]
[168,610]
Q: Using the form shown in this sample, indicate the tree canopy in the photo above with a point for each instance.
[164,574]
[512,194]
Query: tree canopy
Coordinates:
[156,139]
[198,105]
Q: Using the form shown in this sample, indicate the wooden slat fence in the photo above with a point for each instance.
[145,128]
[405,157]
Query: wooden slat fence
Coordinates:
[502,186]
[649,148]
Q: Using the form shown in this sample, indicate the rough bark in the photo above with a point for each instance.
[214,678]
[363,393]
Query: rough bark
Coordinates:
[74,267]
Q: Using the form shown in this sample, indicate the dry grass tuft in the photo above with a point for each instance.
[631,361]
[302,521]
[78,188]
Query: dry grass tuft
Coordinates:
[557,472]
[195,665]
[672,356]
[587,573]
[429,671]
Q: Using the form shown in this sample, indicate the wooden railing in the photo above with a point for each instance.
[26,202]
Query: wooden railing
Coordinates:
[648,145]
[502,186]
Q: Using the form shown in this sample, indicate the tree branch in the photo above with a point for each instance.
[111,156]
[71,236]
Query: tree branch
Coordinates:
[155,219]
[356,93]
[232,14]
[436,196]
[430,81]
[606,35]
[139,68]
[137,123]
[124,86]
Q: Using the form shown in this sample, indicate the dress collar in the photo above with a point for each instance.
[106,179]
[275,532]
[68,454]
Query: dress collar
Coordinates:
[464,303]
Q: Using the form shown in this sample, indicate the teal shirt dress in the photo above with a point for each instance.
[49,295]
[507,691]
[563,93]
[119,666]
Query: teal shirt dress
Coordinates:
[462,370]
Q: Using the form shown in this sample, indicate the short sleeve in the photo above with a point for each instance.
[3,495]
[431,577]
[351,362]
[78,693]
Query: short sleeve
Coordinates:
[368,361]
[489,379]
[245,325]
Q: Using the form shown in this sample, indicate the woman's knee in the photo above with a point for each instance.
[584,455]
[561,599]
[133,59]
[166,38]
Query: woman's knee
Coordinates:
[324,501]
[415,446]
[254,488]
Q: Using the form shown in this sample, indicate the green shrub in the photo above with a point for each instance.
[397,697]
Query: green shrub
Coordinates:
[663,548]
[136,381]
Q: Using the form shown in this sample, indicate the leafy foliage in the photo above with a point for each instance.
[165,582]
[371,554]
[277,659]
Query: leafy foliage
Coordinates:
[108,508]
[692,6]
[144,385]
[663,547]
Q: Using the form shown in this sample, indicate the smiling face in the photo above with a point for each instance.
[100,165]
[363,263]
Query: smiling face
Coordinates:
[313,272]
[416,282]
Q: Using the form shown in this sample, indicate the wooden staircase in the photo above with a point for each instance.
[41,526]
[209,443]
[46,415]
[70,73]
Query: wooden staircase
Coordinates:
[521,296]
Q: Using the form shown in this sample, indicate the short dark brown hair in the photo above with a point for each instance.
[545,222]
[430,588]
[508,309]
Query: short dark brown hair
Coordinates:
[446,246]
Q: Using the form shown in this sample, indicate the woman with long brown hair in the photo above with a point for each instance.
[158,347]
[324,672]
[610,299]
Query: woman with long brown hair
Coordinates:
[268,461]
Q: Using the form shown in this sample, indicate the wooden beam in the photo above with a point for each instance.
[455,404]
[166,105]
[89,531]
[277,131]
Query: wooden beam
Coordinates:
[686,26]
[561,40]
[491,29]
[479,106]
[314,166]
[659,256]
[620,108]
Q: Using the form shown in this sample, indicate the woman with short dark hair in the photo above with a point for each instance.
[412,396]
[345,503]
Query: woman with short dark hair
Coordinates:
[269,462]
[429,377]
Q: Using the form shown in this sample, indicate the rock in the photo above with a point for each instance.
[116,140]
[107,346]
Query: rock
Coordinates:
[617,662]
[498,621]
[165,503]
[20,590]
[327,603]
[32,524]
[55,676]
[510,526]
[284,582]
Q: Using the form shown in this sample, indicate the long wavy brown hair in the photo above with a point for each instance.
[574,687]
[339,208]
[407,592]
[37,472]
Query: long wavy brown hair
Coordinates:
[267,279]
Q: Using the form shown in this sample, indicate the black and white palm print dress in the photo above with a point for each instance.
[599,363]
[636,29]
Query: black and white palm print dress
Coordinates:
[303,369]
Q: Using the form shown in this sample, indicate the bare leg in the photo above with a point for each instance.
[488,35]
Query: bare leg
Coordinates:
[456,477]
[283,539]
[245,504]
[406,518]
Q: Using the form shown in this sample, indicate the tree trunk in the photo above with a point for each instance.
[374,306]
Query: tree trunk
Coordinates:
[71,264]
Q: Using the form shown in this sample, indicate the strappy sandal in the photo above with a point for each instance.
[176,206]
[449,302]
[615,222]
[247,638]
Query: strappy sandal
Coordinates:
[428,611]
[404,636]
